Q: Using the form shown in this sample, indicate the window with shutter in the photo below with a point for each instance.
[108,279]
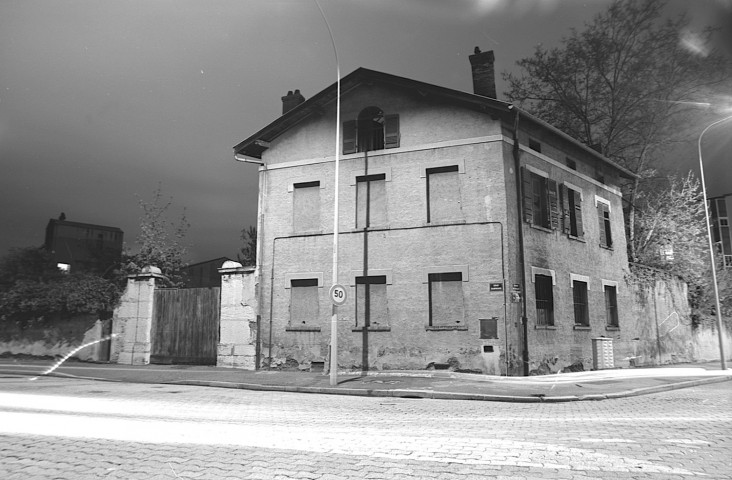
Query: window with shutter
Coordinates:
[553,204]
[572,212]
[350,134]
[541,202]
[371,131]
[603,214]
[391,131]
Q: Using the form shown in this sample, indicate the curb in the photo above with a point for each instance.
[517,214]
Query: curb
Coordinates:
[430,394]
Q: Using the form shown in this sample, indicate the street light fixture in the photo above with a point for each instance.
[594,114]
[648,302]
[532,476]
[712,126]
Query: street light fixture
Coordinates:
[711,246]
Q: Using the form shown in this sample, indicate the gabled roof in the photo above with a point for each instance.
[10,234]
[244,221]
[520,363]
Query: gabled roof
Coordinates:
[256,144]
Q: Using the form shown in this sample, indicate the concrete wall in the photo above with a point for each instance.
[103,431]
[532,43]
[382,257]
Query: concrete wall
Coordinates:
[706,341]
[57,337]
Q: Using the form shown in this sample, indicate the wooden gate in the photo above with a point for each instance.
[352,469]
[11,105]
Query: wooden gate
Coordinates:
[185,327]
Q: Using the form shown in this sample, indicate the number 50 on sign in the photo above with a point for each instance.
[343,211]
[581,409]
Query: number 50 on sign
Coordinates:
[338,295]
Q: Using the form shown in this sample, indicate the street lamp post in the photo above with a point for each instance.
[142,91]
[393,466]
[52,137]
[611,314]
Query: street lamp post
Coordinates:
[711,246]
[334,312]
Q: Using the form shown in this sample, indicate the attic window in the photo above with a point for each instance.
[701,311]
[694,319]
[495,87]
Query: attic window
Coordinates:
[372,131]
[534,145]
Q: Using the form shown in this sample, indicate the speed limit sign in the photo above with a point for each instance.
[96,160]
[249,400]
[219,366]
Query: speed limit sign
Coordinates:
[338,295]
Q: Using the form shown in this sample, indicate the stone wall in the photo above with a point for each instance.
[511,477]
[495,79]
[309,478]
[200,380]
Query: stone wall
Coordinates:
[57,337]
[132,320]
[238,319]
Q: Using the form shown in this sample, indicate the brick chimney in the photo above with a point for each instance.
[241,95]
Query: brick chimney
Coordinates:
[484,79]
[291,100]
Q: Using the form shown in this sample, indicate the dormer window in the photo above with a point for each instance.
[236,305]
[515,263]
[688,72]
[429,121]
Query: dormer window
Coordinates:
[371,131]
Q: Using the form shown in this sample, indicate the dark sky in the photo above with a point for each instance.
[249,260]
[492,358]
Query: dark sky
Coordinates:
[101,101]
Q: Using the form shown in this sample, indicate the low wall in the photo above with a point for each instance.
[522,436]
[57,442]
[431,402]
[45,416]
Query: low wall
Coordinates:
[57,337]
[661,329]
[706,341]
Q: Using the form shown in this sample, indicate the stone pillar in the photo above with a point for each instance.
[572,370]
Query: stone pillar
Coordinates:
[238,318]
[132,321]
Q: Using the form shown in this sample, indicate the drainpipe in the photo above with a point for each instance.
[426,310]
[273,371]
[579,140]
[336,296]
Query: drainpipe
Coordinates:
[522,259]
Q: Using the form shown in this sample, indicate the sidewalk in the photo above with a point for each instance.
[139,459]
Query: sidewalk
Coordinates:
[439,384]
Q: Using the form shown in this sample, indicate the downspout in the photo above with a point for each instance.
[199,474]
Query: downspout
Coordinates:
[522,259]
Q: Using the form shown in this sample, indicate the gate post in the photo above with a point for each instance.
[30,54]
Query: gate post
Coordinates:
[132,321]
[238,317]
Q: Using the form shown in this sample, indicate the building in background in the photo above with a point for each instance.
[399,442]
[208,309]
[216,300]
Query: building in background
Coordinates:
[83,247]
[720,208]
[473,235]
[204,274]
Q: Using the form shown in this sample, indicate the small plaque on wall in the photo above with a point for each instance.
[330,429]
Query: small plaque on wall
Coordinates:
[496,287]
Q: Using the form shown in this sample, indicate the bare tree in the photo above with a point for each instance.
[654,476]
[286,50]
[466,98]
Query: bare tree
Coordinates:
[622,85]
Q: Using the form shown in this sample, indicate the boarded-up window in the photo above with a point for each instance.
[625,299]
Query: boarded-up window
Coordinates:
[572,212]
[370,201]
[443,194]
[489,327]
[306,207]
[371,302]
[304,305]
[603,214]
[611,305]
[543,289]
[579,297]
[446,298]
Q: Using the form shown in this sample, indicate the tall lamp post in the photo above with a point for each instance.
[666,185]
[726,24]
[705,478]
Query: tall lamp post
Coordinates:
[335,287]
[711,246]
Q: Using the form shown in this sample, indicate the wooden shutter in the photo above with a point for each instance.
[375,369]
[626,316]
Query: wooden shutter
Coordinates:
[391,131]
[528,198]
[578,212]
[553,204]
[350,135]
[566,217]
[601,218]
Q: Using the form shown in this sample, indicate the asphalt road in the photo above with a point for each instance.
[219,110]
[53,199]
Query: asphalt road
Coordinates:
[55,428]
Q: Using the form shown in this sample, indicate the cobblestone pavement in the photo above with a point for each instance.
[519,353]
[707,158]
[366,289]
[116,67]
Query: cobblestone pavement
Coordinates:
[55,428]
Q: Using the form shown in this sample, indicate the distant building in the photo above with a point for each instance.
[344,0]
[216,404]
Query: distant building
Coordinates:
[204,274]
[720,208]
[83,246]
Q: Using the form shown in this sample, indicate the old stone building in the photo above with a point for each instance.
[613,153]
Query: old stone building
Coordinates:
[472,234]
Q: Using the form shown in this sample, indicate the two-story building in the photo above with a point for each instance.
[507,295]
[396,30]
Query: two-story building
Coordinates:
[472,235]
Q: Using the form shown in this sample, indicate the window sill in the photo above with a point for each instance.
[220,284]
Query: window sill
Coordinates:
[606,247]
[539,227]
[612,328]
[372,329]
[446,328]
[302,328]
[544,327]
[577,239]
[583,327]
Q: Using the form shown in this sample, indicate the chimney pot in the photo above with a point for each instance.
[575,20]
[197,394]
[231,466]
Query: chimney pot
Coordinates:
[291,100]
[484,78]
